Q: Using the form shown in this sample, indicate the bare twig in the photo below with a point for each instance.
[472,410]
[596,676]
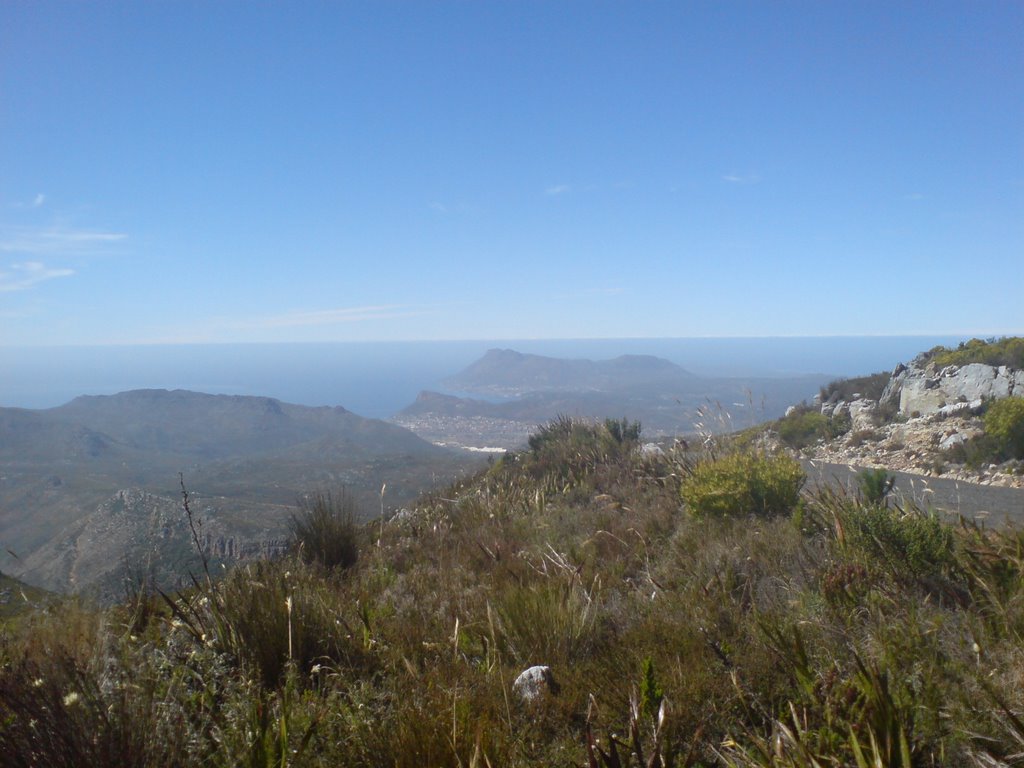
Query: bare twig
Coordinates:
[192,527]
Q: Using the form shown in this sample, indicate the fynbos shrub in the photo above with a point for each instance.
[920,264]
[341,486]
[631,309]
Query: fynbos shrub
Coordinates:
[875,486]
[1004,421]
[324,531]
[742,484]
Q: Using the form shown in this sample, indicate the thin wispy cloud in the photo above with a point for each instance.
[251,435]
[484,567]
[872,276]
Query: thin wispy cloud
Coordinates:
[322,317]
[740,178]
[914,196]
[21,277]
[557,189]
[35,202]
[58,240]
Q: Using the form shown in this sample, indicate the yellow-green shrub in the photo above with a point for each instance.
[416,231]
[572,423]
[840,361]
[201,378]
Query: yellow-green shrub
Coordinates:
[1004,421]
[742,484]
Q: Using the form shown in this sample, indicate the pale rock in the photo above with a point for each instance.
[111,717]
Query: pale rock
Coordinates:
[535,682]
[951,441]
[1017,388]
[863,414]
[964,408]
[891,393]
[927,391]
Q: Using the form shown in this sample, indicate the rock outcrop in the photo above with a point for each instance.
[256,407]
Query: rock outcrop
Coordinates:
[936,412]
[926,390]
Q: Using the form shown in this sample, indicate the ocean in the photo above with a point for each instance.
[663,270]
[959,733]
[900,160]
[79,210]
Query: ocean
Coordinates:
[377,379]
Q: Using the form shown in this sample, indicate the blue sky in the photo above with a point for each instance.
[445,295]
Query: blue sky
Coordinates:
[176,172]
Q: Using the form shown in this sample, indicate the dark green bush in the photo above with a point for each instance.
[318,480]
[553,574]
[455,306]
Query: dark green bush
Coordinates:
[742,484]
[870,387]
[914,543]
[58,713]
[567,450]
[622,430]
[875,486]
[324,531]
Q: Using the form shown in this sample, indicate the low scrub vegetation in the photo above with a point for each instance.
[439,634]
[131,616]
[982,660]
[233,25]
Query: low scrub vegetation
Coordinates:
[1002,439]
[1005,351]
[324,531]
[1004,423]
[870,387]
[742,484]
[695,609]
[806,426]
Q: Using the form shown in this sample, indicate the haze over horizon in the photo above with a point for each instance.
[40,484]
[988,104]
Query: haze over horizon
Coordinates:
[195,173]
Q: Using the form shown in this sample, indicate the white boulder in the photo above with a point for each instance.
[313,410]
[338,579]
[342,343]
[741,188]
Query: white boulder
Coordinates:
[535,682]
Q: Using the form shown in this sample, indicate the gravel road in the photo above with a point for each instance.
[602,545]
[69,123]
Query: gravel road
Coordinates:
[992,503]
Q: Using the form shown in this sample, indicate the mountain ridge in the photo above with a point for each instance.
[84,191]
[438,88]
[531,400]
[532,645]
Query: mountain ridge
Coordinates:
[247,459]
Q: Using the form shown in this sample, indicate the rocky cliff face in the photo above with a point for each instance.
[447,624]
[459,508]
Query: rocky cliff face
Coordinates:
[135,534]
[927,390]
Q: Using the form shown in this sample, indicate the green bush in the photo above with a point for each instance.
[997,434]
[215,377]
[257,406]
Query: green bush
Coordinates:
[272,615]
[1006,351]
[915,543]
[975,453]
[622,431]
[875,486]
[566,451]
[744,483]
[1004,421]
[324,531]
[804,427]
[870,387]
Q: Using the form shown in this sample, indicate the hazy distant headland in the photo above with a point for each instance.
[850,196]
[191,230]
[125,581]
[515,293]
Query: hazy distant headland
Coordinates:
[506,394]
[378,379]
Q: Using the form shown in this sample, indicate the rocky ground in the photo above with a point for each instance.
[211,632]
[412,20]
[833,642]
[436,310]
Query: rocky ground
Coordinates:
[917,446]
